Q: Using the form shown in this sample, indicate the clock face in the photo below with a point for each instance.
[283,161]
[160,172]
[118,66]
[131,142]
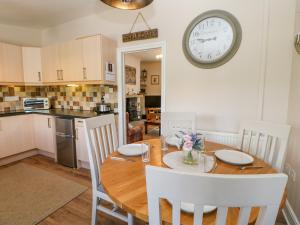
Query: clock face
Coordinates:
[212,39]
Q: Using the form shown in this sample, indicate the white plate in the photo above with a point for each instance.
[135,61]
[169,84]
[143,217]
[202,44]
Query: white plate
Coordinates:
[173,141]
[133,149]
[174,160]
[189,208]
[234,157]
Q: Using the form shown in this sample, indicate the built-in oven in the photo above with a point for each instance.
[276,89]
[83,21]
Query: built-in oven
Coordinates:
[35,103]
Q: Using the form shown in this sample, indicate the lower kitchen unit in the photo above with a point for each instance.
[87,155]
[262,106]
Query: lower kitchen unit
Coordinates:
[57,134]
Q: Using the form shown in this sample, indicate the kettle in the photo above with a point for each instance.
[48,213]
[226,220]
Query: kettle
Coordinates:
[102,107]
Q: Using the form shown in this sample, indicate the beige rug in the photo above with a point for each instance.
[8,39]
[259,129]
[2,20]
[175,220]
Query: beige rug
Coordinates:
[28,194]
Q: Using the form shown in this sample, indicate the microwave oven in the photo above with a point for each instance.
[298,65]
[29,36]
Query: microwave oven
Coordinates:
[36,103]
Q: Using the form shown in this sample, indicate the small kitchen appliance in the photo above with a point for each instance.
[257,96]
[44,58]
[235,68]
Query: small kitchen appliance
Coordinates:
[35,103]
[103,107]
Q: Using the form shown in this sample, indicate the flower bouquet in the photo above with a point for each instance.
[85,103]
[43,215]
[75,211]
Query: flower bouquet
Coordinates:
[192,146]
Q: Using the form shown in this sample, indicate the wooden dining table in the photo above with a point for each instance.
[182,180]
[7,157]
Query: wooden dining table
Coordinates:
[125,182]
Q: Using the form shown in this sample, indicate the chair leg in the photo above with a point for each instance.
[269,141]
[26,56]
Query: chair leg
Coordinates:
[94,210]
[130,219]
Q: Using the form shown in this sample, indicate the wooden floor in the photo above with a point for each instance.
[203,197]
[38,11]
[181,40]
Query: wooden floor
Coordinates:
[78,211]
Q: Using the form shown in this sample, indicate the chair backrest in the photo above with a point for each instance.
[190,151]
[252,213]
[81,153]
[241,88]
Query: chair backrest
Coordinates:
[172,122]
[101,136]
[268,141]
[222,191]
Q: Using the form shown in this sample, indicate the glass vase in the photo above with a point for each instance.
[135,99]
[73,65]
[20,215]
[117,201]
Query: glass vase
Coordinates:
[190,156]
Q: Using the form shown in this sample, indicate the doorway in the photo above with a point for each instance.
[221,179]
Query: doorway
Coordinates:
[141,95]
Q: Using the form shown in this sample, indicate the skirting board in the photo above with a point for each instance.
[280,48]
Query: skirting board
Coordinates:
[23,155]
[47,154]
[14,158]
[290,215]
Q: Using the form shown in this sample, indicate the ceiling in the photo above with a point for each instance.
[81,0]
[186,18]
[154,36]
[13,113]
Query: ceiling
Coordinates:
[42,14]
[148,56]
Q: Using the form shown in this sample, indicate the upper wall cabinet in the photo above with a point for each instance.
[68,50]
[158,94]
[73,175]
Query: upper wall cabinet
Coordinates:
[86,60]
[71,61]
[51,64]
[98,51]
[11,66]
[82,60]
[32,65]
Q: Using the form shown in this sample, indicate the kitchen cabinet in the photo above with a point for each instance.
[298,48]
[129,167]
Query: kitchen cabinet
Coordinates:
[97,52]
[86,60]
[51,64]
[109,55]
[11,65]
[16,135]
[82,60]
[1,63]
[91,55]
[81,142]
[72,61]
[44,133]
[32,65]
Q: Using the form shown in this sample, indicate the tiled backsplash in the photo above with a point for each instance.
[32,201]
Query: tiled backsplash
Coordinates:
[83,97]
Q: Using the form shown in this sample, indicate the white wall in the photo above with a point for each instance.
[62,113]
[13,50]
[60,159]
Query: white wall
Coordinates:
[153,68]
[131,60]
[253,85]
[20,36]
[293,157]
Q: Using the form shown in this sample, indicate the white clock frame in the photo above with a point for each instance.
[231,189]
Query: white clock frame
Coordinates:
[236,41]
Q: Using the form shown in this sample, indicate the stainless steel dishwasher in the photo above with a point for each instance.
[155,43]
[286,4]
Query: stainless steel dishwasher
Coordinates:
[65,141]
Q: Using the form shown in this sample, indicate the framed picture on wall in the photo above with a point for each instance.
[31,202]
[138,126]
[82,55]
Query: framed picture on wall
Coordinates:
[130,75]
[155,79]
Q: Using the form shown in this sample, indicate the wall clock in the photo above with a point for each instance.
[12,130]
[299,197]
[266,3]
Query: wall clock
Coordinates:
[212,39]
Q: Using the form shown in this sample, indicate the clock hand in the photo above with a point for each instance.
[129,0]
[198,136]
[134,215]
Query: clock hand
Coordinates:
[201,40]
[208,39]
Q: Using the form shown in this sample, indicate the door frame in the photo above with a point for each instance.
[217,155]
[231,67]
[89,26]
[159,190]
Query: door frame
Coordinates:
[121,81]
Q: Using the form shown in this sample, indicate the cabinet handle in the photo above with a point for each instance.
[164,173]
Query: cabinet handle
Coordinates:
[62,74]
[49,122]
[76,131]
[39,76]
[84,73]
[57,73]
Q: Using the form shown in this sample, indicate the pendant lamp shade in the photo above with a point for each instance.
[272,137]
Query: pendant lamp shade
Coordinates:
[128,4]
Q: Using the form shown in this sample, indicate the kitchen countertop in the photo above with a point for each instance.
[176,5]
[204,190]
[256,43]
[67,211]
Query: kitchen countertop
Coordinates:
[55,112]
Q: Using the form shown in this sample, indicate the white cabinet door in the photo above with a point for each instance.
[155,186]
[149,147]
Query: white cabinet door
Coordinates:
[109,55]
[72,61]
[12,66]
[44,130]
[16,135]
[81,144]
[1,63]
[51,64]
[32,65]
[91,50]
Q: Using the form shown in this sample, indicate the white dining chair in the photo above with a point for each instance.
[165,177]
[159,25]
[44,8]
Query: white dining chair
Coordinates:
[172,122]
[102,140]
[222,191]
[267,141]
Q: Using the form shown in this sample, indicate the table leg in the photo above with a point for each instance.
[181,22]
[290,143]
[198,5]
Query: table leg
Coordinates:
[146,128]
